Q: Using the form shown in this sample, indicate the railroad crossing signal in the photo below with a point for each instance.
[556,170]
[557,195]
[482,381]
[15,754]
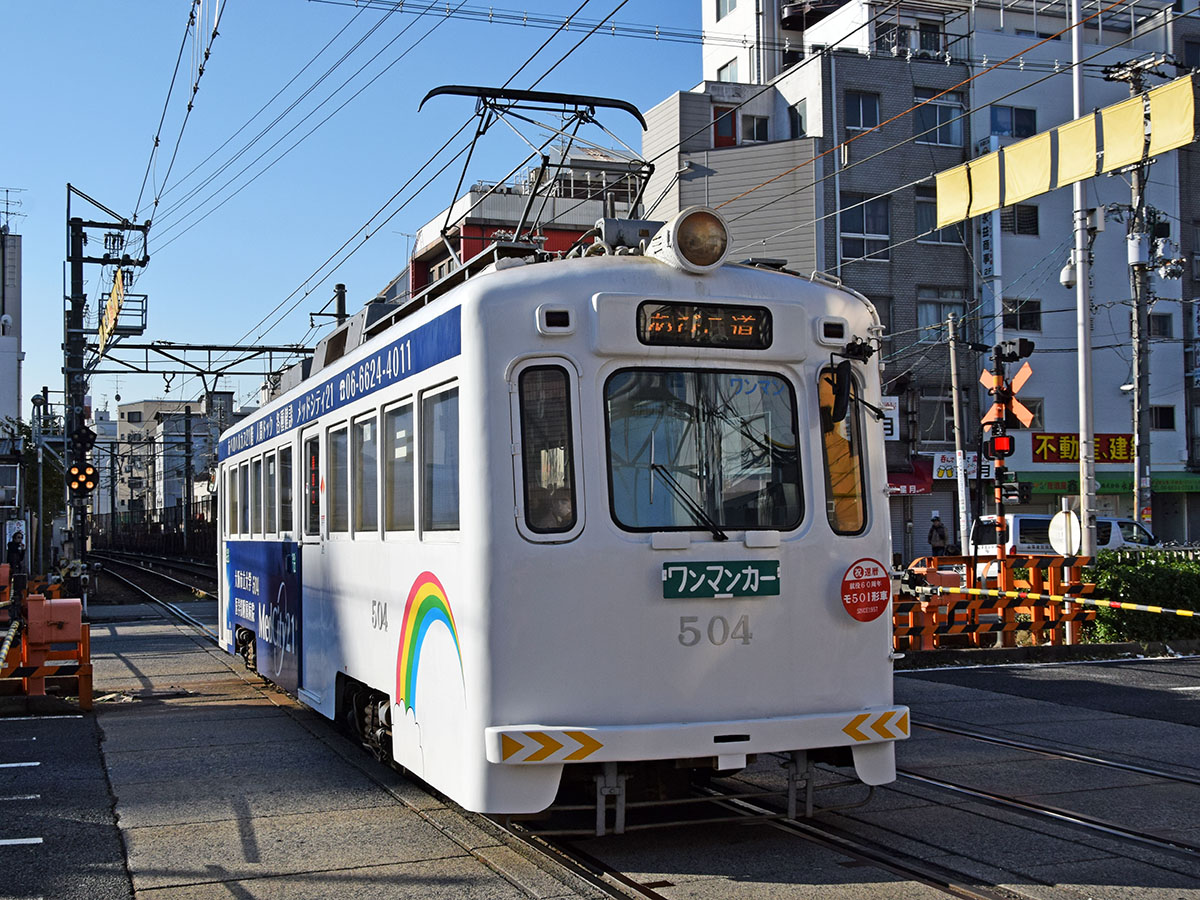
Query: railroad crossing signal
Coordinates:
[82,440]
[82,479]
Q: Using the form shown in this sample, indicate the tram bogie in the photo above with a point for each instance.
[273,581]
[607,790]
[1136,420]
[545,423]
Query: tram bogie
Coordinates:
[577,513]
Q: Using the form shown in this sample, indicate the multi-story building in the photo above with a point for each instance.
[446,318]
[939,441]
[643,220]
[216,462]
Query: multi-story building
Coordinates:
[781,137]
[11,355]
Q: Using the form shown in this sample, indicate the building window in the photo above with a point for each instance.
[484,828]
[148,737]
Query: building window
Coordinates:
[798,119]
[1019,219]
[1014,121]
[866,227]
[1160,325]
[926,221]
[931,37]
[754,129]
[728,72]
[891,38]
[934,306]
[940,121]
[937,420]
[1191,54]
[134,416]
[1037,406]
[724,126]
[1022,314]
[1162,418]
[725,7]
[398,472]
[439,461]
[862,110]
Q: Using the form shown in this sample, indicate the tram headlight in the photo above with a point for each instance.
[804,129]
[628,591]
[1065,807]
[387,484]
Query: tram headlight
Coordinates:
[696,240]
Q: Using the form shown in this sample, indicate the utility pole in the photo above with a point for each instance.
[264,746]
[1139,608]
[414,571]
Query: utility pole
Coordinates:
[960,468]
[187,479]
[1083,316]
[1138,241]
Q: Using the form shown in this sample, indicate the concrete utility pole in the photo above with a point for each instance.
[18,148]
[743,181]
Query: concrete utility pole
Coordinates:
[1138,242]
[960,460]
[1083,317]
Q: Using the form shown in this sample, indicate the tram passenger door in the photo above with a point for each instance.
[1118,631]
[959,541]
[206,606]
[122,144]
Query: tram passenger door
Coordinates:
[316,630]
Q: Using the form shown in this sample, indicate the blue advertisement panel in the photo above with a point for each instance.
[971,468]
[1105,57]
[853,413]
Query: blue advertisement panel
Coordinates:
[420,349]
[263,580]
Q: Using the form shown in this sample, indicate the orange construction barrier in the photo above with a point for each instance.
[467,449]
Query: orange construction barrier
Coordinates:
[55,643]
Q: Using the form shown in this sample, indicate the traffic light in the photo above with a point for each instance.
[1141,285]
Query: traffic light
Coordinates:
[82,479]
[1011,351]
[1018,492]
[82,440]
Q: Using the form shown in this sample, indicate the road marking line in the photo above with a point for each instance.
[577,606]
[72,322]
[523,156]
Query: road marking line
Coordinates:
[1197,688]
[18,765]
[39,718]
[10,842]
[22,797]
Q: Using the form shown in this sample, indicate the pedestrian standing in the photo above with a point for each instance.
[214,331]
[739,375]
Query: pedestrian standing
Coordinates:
[937,537]
[16,554]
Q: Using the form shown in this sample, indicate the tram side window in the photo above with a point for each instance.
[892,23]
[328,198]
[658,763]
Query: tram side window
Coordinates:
[366,478]
[845,497]
[339,496]
[546,449]
[232,519]
[244,496]
[398,468]
[269,487]
[256,495]
[439,461]
[285,489]
[312,499]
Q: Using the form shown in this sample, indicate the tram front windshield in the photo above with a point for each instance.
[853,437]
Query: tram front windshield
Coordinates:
[702,450]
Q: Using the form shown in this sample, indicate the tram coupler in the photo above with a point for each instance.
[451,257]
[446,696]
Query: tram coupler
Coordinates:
[798,763]
[610,784]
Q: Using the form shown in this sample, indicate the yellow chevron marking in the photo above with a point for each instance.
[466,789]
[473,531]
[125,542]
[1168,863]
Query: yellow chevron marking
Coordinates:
[852,728]
[587,745]
[549,746]
[879,726]
[508,746]
[902,724]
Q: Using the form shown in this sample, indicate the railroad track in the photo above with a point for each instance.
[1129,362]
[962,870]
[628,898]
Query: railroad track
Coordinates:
[172,608]
[208,591]
[206,571]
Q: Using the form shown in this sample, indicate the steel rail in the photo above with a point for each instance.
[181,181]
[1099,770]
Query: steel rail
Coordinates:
[199,592]
[1061,754]
[170,607]
[191,566]
[1178,848]
[856,848]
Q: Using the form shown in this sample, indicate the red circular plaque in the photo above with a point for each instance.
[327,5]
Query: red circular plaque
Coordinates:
[866,590]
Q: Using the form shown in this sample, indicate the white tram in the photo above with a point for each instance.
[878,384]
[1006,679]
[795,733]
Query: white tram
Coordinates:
[587,515]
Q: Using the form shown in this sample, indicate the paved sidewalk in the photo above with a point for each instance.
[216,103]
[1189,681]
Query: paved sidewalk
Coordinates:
[224,787]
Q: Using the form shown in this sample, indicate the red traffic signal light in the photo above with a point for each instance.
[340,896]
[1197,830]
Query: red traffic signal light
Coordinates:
[998,446]
[82,480]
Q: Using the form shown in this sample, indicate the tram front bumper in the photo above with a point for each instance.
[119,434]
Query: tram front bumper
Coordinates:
[558,744]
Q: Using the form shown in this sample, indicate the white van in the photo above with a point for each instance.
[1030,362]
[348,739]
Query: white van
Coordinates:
[1031,534]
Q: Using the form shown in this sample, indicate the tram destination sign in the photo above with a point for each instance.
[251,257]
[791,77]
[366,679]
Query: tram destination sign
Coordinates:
[704,325]
[731,578]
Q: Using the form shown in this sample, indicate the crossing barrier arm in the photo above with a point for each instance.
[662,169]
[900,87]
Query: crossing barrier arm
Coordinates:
[934,591]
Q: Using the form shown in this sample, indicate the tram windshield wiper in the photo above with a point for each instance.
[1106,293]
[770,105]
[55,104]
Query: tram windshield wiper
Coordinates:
[688,502]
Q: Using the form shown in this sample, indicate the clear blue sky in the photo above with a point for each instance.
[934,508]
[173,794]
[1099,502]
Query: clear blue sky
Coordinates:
[84,86]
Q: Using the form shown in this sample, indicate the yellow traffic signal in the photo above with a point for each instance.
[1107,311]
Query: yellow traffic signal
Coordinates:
[82,480]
